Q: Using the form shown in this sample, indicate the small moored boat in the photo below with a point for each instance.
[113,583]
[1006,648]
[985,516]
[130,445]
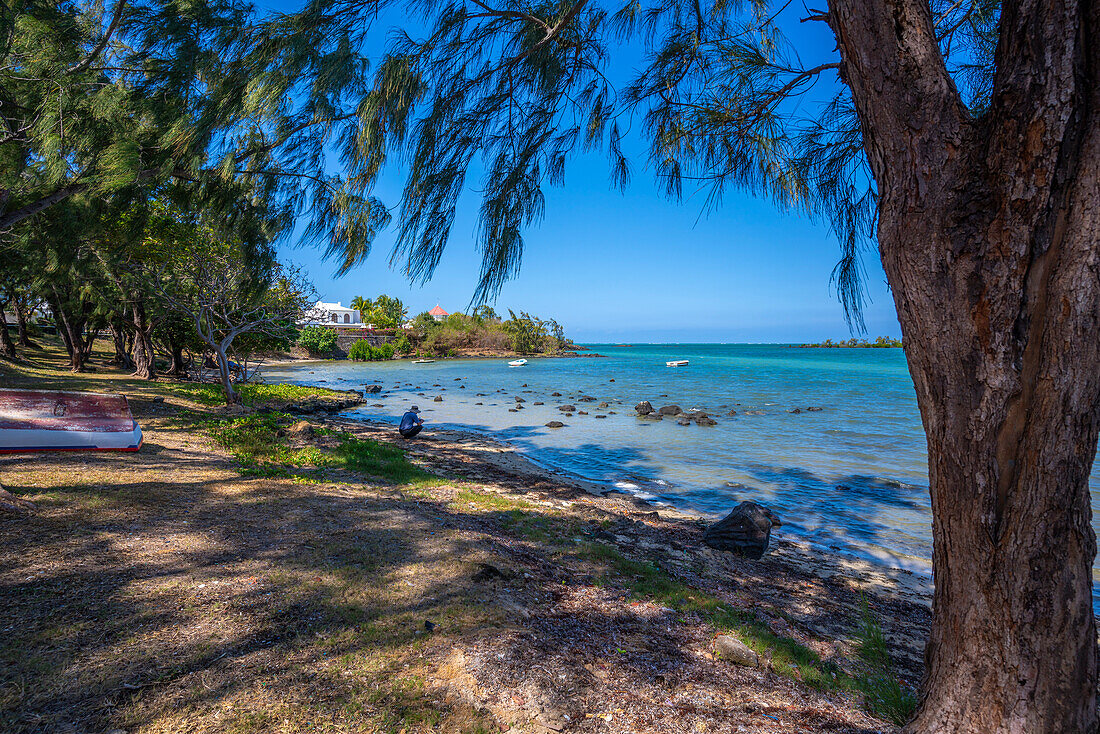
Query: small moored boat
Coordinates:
[423,361]
[517,363]
[676,363]
[53,420]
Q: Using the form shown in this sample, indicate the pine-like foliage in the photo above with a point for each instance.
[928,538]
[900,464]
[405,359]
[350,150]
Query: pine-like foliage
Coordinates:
[514,88]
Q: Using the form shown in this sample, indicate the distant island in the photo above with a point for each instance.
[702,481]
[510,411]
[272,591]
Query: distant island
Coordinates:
[882,342]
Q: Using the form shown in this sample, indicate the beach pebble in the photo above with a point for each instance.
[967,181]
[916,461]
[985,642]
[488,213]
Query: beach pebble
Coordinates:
[603,405]
[555,424]
[731,649]
[567,408]
[520,400]
[745,531]
[479,403]
[644,407]
[599,416]
[582,412]
[555,394]
[537,403]
[437,399]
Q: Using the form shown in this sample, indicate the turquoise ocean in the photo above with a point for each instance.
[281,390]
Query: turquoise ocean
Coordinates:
[851,478]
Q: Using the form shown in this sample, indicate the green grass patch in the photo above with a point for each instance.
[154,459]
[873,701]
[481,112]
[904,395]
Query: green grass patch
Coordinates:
[252,393]
[883,694]
[260,444]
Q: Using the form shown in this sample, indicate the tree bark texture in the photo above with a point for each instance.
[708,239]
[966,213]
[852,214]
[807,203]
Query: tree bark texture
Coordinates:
[988,229]
[145,360]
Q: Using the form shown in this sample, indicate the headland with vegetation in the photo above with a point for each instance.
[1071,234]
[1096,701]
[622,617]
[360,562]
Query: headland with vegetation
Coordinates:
[882,342]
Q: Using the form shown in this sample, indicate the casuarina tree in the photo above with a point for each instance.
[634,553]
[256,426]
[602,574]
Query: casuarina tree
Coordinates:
[961,135]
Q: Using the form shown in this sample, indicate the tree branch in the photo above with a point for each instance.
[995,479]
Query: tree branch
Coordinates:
[81,66]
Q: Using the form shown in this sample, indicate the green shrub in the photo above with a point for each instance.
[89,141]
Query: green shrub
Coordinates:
[362,351]
[317,340]
[402,345]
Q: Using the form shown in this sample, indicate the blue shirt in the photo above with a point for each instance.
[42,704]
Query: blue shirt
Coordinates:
[409,420]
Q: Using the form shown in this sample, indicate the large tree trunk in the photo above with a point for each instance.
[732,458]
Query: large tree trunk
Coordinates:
[145,360]
[988,231]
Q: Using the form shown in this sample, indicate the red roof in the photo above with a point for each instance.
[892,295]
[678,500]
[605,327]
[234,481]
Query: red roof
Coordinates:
[437,311]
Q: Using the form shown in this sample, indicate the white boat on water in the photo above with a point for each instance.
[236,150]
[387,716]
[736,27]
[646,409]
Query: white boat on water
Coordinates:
[676,363]
[517,363]
[52,420]
[423,361]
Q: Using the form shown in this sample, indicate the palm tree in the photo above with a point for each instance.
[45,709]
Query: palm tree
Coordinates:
[362,305]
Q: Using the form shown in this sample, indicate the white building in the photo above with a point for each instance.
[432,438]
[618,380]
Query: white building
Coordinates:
[332,314]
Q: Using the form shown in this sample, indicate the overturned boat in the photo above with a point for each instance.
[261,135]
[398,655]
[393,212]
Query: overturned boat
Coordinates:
[55,420]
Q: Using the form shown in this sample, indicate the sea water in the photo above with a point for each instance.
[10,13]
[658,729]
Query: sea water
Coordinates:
[851,477]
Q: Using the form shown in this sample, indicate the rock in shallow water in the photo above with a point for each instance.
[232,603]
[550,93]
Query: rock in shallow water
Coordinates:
[644,407]
[745,531]
[555,424]
[670,410]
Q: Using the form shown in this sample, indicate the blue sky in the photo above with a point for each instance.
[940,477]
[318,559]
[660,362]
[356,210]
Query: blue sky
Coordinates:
[636,267]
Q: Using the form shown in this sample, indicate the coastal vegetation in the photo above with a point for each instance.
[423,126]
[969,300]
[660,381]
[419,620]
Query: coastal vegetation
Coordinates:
[882,342]
[317,340]
[487,333]
[362,351]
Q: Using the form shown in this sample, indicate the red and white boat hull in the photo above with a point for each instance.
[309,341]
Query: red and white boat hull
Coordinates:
[53,420]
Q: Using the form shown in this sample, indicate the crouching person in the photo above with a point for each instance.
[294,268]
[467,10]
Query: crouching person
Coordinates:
[411,423]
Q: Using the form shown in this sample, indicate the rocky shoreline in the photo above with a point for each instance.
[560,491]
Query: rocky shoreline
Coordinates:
[481,458]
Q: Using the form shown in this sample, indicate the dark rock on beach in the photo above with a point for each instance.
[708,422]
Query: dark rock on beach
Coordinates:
[745,531]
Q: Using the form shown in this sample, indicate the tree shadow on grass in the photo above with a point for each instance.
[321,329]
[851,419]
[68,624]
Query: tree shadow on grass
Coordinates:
[154,590]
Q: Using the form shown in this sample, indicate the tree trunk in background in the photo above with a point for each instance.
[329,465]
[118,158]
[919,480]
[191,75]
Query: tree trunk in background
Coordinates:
[71,327]
[231,396]
[145,361]
[177,367]
[122,349]
[7,348]
[988,231]
[21,323]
